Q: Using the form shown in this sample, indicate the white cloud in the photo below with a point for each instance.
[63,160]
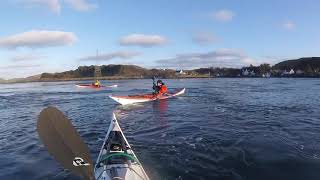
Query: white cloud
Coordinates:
[143,40]
[27,57]
[223,15]
[217,58]
[38,39]
[204,38]
[53,5]
[109,56]
[56,5]
[81,5]
[289,25]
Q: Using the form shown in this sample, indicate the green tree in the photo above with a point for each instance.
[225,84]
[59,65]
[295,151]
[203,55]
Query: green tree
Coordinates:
[264,68]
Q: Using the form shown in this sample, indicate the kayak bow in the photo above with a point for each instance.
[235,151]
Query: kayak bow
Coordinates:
[116,159]
[132,99]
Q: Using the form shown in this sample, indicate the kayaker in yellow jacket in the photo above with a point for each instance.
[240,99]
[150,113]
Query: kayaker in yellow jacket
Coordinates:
[97,83]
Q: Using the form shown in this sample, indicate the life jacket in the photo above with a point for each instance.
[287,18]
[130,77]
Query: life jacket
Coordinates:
[163,89]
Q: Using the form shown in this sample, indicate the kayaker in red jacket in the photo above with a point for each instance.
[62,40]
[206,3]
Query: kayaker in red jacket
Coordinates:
[160,88]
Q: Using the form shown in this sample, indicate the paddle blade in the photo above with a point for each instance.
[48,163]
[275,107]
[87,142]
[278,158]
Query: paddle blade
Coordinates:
[64,143]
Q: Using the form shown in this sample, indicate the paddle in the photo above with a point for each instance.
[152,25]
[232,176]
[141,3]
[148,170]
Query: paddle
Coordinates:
[64,143]
[154,80]
[154,83]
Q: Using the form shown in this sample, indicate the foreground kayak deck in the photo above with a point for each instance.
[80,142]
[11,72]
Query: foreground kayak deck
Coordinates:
[131,99]
[116,159]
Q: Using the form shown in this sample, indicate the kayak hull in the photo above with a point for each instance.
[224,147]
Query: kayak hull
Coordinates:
[109,166]
[125,100]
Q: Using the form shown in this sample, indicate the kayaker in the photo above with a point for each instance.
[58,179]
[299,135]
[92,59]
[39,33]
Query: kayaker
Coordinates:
[97,83]
[160,88]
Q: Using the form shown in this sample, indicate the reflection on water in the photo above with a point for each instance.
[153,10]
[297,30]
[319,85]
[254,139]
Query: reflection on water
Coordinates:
[160,109]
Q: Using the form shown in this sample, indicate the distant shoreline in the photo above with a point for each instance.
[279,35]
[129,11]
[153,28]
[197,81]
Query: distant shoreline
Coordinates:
[139,78]
[298,68]
[92,78]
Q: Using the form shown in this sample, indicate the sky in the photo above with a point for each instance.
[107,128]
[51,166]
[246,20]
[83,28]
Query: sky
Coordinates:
[56,35]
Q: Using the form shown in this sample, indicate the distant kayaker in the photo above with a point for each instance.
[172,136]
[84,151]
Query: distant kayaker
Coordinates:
[97,83]
[160,88]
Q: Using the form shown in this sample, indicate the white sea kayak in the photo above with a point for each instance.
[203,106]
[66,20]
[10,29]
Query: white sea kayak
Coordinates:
[116,160]
[132,99]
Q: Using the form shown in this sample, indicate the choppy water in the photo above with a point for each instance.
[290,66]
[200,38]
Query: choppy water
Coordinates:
[220,129]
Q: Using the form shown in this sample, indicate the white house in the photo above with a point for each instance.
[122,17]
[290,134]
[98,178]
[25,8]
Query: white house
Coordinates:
[245,73]
[291,71]
[285,72]
[180,71]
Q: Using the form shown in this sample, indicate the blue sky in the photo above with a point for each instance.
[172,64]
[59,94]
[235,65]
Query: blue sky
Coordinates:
[56,35]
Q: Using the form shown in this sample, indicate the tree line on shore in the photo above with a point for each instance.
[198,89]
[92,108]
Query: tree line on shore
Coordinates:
[303,67]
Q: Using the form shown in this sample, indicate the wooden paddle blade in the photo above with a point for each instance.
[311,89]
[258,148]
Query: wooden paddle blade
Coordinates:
[64,143]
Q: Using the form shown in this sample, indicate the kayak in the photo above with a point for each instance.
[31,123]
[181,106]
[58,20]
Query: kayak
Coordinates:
[131,99]
[88,86]
[93,86]
[116,159]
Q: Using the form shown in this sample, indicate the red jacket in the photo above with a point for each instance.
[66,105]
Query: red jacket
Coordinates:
[163,89]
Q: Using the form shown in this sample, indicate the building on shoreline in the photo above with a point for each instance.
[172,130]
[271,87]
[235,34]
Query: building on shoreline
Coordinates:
[181,72]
